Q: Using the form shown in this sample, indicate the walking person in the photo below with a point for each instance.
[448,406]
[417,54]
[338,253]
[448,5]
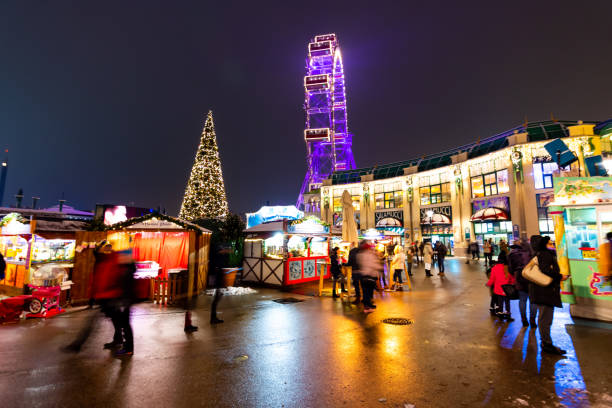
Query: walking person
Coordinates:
[355,274]
[369,266]
[218,260]
[336,273]
[520,254]
[421,251]
[409,259]
[112,289]
[546,297]
[428,258]
[398,266]
[475,250]
[500,275]
[468,254]
[441,254]
[487,249]
[415,249]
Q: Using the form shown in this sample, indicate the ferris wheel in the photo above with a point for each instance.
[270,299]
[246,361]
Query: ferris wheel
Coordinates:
[328,141]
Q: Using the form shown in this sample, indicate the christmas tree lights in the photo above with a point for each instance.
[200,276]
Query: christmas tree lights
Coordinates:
[205,192]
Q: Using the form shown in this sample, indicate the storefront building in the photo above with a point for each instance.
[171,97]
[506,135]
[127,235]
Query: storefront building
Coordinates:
[497,188]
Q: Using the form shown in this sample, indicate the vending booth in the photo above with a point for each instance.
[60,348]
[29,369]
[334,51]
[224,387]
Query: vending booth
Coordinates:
[161,246]
[582,216]
[287,252]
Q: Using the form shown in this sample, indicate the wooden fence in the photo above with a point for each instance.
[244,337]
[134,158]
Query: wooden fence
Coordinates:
[168,291]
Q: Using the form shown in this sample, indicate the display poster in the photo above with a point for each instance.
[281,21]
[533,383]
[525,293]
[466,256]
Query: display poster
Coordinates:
[295,270]
[515,232]
[503,203]
[582,190]
[310,271]
[587,282]
[307,226]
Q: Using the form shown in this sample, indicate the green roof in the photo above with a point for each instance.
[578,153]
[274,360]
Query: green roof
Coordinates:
[537,131]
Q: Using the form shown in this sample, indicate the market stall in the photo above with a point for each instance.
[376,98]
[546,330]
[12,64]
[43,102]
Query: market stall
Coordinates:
[491,219]
[28,244]
[286,252]
[582,216]
[162,247]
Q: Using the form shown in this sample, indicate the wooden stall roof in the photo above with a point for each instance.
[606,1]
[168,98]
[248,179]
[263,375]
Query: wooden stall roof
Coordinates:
[179,224]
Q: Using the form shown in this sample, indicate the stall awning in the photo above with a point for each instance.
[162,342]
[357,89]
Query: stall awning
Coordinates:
[436,219]
[266,227]
[489,214]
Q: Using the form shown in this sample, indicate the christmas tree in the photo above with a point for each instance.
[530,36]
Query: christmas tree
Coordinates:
[205,192]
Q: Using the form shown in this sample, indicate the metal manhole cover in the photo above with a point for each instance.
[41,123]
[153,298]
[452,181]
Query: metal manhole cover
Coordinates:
[398,321]
[284,301]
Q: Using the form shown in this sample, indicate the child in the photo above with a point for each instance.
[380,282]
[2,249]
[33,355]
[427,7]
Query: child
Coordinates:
[398,266]
[500,275]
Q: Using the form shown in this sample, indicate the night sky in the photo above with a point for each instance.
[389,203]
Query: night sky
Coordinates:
[105,101]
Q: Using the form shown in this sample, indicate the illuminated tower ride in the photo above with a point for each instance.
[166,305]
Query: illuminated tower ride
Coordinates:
[328,141]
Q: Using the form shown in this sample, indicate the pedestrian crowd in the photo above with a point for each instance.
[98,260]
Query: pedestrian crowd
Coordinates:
[527,272]
[368,268]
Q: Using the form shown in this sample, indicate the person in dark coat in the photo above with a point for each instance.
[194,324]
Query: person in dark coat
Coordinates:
[520,255]
[356,276]
[218,260]
[546,297]
[2,267]
[336,273]
[441,254]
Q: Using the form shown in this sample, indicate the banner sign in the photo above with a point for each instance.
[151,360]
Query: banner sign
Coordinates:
[503,203]
[446,210]
[398,215]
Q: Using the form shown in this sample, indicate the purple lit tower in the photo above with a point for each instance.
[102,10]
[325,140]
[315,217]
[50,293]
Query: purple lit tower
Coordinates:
[328,140]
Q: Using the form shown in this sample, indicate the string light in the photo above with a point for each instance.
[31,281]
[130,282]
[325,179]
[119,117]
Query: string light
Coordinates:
[205,193]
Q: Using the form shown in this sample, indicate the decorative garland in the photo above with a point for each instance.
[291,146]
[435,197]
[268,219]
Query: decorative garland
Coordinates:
[517,164]
[309,218]
[10,217]
[132,221]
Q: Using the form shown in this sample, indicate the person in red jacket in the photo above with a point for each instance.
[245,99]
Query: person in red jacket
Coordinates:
[500,275]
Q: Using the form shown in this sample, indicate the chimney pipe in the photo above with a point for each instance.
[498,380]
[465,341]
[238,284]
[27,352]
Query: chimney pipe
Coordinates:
[61,205]
[19,198]
[35,202]
[3,173]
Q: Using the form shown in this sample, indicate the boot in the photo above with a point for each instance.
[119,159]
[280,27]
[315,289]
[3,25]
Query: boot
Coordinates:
[215,320]
[552,349]
[189,328]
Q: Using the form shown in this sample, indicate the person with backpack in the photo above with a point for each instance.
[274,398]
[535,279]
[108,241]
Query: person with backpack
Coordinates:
[519,257]
[355,274]
[336,273]
[441,252]
[398,266]
[546,297]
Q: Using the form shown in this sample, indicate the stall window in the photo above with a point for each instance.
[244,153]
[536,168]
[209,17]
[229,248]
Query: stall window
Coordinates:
[490,184]
[338,200]
[543,174]
[581,233]
[273,247]
[389,196]
[435,193]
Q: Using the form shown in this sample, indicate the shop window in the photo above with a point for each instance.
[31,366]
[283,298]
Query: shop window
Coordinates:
[543,174]
[545,221]
[389,196]
[434,194]
[356,202]
[490,184]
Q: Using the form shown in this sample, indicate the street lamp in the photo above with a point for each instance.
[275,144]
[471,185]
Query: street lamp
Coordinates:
[430,214]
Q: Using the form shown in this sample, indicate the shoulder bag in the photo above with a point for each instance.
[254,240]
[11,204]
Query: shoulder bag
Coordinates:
[532,273]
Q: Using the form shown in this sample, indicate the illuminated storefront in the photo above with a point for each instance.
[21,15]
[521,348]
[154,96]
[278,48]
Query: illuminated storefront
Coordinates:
[286,252]
[497,188]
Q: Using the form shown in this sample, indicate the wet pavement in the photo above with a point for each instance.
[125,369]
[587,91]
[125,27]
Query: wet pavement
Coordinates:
[316,353]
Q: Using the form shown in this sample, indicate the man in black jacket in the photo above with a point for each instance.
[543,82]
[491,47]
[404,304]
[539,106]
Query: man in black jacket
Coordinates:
[336,272]
[546,297]
[352,262]
[2,267]
[520,255]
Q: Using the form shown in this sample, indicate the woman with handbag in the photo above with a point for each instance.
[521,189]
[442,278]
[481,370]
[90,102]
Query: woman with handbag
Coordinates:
[549,296]
[502,280]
